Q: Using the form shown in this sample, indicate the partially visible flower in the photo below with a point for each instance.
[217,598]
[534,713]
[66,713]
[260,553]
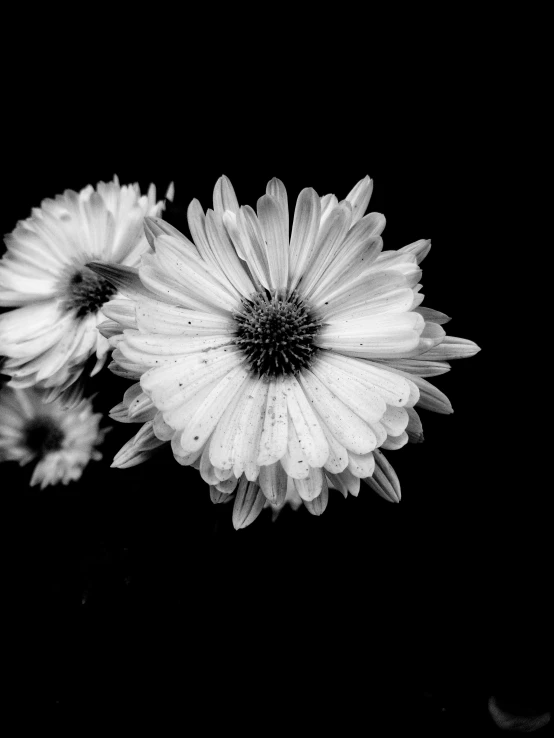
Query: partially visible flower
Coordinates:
[52,332]
[280,364]
[58,440]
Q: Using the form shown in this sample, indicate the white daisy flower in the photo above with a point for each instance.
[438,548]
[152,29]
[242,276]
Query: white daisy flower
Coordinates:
[270,360]
[52,331]
[60,441]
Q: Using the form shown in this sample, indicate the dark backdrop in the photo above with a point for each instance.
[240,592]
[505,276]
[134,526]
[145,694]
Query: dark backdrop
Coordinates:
[133,589]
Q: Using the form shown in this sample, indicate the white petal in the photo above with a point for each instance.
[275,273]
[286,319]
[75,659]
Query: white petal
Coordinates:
[274,439]
[366,402]
[304,232]
[171,385]
[310,487]
[273,482]
[419,366]
[384,480]
[274,228]
[205,417]
[361,465]
[395,420]
[318,505]
[359,197]
[193,274]
[382,336]
[306,424]
[224,197]
[345,482]
[347,427]
[154,316]
[249,503]
[277,189]
[223,440]
[393,443]
[433,316]
[367,287]
[247,441]
[155,349]
[294,461]
[244,237]
[451,348]
[229,264]
[392,387]
[328,244]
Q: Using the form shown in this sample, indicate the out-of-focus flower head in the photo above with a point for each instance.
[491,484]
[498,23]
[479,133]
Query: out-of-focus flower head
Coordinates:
[59,441]
[52,332]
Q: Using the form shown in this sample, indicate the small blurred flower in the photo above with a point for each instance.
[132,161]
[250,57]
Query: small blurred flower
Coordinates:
[278,365]
[60,441]
[52,332]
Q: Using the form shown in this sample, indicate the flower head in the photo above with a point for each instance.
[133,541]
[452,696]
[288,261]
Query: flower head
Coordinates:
[279,365]
[58,440]
[52,331]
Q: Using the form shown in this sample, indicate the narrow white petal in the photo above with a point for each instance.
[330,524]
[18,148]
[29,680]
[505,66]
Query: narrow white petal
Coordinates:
[305,227]
[328,244]
[193,274]
[451,348]
[359,197]
[247,441]
[318,505]
[382,336]
[366,402]
[308,429]
[395,420]
[156,349]
[154,316]
[433,316]
[229,264]
[274,439]
[174,385]
[347,427]
[310,487]
[274,228]
[277,189]
[384,480]
[294,461]
[273,482]
[205,417]
[393,388]
[345,482]
[361,465]
[249,503]
[393,443]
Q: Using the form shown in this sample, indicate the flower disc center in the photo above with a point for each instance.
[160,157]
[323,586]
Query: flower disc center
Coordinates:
[276,333]
[43,435]
[86,292]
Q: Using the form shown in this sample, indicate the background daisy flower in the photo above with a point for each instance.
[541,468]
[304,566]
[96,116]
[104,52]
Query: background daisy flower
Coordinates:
[60,441]
[268,359]
[52,332]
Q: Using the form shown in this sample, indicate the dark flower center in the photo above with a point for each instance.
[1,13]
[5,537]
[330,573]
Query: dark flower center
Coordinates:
[86,292]
[276,333]
[43,435]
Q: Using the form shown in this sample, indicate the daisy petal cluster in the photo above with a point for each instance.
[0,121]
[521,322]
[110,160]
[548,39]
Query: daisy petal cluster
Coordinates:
[280,360]
[52,331]
[58,440]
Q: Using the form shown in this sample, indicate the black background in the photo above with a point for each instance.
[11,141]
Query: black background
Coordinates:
[133,590]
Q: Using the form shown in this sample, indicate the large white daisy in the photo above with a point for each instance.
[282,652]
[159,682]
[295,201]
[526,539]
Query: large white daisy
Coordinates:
[270,360]
[58,440]
[52,331]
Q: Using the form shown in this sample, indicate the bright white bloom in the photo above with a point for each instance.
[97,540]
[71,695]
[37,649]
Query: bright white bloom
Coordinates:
[60,441]
[273,362]
[52,333]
